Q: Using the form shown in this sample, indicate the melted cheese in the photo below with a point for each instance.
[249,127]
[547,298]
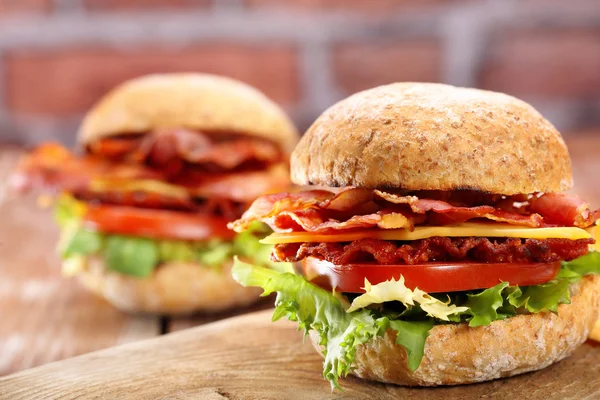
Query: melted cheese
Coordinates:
[422,232]
[142,185]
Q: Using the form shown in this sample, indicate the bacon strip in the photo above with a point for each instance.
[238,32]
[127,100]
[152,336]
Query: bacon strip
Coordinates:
[436,249]
[445,213]
[169,149]
[242,186]
[348,199]
[531,220]
[308,220]
[268,206]
[115,147]
[355,208]
[564,209]
[52,167]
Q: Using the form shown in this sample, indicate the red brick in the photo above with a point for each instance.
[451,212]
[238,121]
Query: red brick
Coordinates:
[138,5]
[550,64]
[343,5]
[70,81]
[360,66]
[24,6]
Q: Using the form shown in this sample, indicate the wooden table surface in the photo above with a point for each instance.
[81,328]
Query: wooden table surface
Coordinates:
[250,358]
[45,317]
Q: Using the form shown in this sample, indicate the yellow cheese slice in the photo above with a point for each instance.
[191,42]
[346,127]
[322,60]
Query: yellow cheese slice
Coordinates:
[422,232]
[142,185]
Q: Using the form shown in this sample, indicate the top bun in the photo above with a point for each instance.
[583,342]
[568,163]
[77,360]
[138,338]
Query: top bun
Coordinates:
[425,136]
[195,101]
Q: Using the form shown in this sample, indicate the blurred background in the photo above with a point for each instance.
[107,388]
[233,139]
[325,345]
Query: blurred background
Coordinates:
[58,56]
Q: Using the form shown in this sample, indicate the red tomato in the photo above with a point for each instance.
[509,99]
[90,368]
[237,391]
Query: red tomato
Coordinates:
[435,277]
[162,224]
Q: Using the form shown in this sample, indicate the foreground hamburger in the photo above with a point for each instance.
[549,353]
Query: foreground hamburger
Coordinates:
[440,247]
[168,161]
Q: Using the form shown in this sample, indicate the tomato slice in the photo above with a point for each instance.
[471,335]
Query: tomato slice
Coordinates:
[160,224]
[434,277]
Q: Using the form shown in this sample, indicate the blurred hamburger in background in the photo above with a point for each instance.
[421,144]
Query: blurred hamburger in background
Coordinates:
[168,160]
[441,247]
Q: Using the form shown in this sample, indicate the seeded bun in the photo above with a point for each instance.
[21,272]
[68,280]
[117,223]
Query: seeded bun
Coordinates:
[456,354]
[175,288]
[213,104]
[424,136]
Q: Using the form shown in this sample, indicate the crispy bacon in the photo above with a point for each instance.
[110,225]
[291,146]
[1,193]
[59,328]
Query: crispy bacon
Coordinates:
[52,167]
[436,249]
[270,205]
[241,186]
[564,209]
[531,220]
[233,153]
[310,221]
[445,213]
[348,199]
[170,149]
[114,147]
[353,208]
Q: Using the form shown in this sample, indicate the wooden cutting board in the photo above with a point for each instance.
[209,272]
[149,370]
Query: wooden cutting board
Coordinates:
[248,357]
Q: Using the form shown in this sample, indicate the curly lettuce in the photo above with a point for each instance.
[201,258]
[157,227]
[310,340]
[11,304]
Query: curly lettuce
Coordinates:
[395,290]
[342,328]
[340,332]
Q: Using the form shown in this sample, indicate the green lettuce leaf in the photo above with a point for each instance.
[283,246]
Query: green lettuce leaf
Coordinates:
[340,332]
[542,297]
[412,335]
[174,250]
[585,265]
[132,256]
[77,241]
[215,253]
[483,306]
[247,244]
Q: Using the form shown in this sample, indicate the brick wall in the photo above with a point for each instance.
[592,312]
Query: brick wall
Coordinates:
[58,56]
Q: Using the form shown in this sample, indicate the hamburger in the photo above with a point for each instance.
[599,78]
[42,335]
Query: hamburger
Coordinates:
[167,161]
[438,246]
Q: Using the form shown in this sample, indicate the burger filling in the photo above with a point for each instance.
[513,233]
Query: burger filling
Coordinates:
[374,260]
[138,201]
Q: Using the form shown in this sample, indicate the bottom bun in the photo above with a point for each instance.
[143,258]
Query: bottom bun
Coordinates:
[175,288]
[456,354]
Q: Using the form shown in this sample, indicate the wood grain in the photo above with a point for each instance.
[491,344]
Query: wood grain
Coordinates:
[43,316]
[180,323]
[248,357]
